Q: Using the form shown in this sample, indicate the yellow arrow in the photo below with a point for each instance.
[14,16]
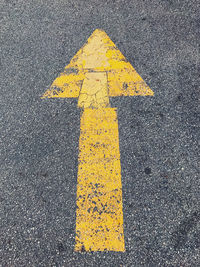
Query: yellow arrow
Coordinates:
[97,71]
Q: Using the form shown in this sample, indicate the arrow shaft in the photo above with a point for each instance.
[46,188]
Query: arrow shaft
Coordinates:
[99,215]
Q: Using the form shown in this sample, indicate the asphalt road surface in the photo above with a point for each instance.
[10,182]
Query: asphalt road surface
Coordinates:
[158,134]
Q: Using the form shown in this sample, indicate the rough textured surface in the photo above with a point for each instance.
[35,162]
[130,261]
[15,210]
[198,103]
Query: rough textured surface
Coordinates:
[99,54]
[158,135]
[99,215]
[94,91]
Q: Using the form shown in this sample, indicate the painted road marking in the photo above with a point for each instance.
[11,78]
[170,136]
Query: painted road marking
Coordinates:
[99,217]
[99,54]
[98,71]
[94,91]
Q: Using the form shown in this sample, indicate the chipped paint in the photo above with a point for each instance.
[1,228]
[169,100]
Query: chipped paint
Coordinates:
[98,71]
[99,54]
[94,92]
[99,216]
[66,85]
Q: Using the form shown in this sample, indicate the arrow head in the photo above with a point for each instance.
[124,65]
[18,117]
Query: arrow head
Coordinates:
[99,54]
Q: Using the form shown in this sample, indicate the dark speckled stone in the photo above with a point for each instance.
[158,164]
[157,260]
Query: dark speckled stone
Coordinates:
[158,135]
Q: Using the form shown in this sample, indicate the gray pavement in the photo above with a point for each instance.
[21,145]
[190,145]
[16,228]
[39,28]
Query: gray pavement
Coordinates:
[158,135]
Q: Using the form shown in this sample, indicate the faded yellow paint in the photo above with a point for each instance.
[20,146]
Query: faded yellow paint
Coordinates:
[67,84]
[99,215]
[98,71]
[94,92]
[99,54]
[127,82]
